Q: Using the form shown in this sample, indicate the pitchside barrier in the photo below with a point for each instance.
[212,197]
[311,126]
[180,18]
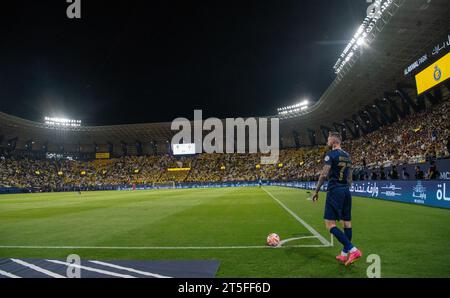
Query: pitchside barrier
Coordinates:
[427,193]
[10,190]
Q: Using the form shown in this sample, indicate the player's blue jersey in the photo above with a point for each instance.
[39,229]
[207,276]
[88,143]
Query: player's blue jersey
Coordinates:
[340,163]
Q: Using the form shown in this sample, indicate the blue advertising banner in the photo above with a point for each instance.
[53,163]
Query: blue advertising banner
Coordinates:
[10,190]
[427,193]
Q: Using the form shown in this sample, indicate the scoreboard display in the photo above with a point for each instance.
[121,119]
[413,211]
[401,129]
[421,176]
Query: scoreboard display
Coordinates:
[433,75]
[183,149]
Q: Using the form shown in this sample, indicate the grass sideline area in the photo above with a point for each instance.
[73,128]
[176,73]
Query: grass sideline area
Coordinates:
[412,241]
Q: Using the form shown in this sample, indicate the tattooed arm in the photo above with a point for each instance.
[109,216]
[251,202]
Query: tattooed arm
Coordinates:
[323,177]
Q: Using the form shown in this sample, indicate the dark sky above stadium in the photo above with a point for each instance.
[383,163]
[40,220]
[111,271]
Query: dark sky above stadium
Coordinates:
[153,61]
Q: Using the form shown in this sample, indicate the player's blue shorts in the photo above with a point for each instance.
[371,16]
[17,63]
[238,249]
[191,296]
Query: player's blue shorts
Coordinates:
[339,204]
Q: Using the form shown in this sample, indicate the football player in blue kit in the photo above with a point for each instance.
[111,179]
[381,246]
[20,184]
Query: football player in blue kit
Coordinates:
[338,206]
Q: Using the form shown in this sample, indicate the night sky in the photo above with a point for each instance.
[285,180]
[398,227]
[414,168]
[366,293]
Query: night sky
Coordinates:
[153,61]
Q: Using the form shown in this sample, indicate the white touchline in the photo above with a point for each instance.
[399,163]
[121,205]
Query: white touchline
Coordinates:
[129,269]
[324,241]
[92,269]
[37,268]
[7,274]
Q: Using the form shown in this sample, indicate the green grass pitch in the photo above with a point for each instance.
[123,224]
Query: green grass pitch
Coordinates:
[412,241]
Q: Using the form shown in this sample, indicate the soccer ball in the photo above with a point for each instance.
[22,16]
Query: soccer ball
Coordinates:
[273,240]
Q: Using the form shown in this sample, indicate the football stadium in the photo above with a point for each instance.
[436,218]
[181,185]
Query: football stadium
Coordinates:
[80,198]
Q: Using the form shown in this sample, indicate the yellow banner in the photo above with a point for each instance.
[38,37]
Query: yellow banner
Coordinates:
[103,155]
[433,75]
[178,169]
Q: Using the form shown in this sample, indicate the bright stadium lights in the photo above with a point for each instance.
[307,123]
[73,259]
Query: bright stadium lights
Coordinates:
[361,38]
[300,107]
[62,122]
[361,41]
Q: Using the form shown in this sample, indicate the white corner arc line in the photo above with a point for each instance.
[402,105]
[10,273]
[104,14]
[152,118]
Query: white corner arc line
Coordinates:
[37,268]
[7,274]
[129,269]
[91,269]
[283,242]
[300,246]
[324,241]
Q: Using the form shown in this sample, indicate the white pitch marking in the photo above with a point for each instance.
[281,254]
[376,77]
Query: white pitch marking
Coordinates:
[7,274]
[283,242]
[324,241]
[129,269]
[91,269]
[37,268]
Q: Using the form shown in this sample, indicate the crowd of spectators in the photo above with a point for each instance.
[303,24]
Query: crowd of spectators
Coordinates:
[419,138]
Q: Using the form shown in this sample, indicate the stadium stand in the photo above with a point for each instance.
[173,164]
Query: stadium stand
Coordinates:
[416,139]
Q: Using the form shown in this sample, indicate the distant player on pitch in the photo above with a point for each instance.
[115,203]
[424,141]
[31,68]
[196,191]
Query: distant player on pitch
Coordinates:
[339,200]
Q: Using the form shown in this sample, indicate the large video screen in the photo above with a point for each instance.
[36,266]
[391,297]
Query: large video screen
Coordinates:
[433,75]
[183,149]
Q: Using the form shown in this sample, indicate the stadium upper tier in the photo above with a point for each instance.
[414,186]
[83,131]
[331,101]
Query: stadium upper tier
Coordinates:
[83,138]
[372,90]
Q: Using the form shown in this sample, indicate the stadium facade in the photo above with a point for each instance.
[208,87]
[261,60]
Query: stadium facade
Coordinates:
[373,89]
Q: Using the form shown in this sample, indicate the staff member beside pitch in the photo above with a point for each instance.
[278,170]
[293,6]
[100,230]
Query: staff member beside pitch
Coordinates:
[339,200]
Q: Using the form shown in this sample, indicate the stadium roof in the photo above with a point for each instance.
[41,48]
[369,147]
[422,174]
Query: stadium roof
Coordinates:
[26,129]
[409,30]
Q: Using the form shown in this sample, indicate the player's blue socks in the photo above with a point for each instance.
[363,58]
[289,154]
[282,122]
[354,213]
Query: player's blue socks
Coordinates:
[340,236]
[348,233]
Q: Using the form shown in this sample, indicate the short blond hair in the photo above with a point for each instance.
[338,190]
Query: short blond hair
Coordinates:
[335,135]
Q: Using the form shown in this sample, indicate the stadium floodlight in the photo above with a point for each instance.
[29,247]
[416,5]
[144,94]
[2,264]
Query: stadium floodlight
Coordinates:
[61,122]
[361,41]
[360,38]
[299,107]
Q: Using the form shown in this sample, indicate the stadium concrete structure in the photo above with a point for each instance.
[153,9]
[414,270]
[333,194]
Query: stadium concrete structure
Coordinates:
[372,89]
